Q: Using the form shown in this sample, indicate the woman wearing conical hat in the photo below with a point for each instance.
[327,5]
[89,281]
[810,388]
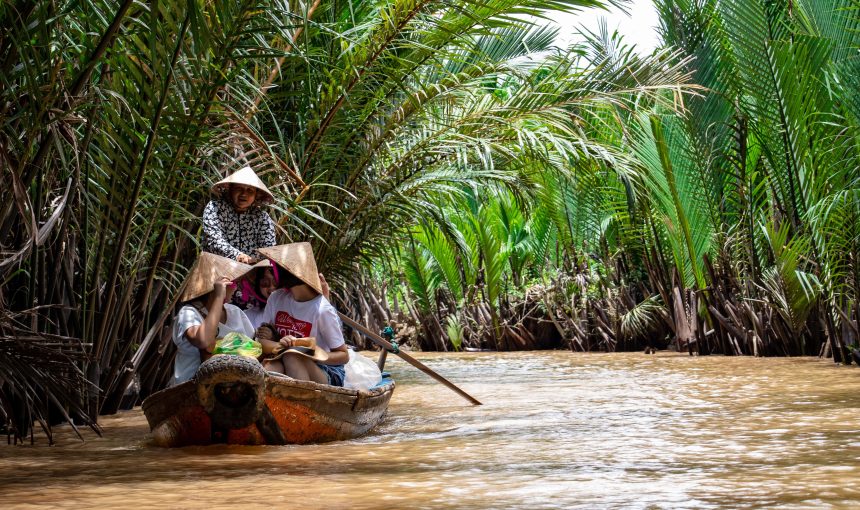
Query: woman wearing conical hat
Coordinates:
[299,310]
[235,225]
[207,313]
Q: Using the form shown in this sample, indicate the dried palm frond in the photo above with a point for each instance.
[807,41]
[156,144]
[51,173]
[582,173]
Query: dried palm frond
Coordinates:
[40,378]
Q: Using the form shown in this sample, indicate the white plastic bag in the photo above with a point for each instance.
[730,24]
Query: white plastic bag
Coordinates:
[361,373]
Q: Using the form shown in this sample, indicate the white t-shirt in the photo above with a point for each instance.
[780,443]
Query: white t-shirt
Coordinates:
[255,315]
[316,318]
[187,355]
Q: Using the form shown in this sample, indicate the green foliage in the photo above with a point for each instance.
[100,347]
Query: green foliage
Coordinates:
[454,329]
[791,291]
[671,186]
[449,139]
[754,166]
[644,318]
[422,278]
[117,117]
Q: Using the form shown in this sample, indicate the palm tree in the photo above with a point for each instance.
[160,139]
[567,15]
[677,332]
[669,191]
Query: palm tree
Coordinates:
[110,112]
[738,201]
[763,151]
[361,115]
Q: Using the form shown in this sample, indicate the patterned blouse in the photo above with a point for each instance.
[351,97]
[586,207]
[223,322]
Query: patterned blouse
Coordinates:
[228,233]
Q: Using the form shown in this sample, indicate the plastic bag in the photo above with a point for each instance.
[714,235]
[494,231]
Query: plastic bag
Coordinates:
[361,373]
[239,344]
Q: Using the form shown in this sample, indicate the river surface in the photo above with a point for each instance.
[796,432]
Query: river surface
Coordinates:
[557,430]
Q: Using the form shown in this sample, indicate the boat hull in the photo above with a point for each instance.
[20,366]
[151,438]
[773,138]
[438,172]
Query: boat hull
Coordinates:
[283,411]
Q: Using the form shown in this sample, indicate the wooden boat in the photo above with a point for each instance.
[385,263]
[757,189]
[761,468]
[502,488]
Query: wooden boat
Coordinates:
[232,399]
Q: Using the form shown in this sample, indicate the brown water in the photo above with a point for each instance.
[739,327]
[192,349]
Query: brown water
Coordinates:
[558,430]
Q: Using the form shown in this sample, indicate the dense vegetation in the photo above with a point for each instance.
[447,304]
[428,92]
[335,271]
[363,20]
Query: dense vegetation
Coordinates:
[454,171]
[724,223]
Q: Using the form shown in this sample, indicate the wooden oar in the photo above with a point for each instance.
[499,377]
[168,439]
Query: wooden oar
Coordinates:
[378,340]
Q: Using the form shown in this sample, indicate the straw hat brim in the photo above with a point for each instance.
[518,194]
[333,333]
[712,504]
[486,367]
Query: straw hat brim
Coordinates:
[315,353]
[247,177]
[265,263]
[298,259]
[207,268]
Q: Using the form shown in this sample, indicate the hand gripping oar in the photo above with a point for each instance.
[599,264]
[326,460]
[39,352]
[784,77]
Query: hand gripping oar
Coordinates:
[378,340]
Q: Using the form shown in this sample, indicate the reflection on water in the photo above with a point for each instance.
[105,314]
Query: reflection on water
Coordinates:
[558,430]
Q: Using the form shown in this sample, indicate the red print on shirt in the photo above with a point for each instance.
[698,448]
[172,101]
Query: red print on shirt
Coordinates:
[289,325]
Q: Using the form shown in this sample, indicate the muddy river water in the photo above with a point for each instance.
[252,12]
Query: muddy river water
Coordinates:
[557,430]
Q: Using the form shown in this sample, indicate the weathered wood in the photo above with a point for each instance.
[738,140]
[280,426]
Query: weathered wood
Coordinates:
[693,317]
[847,321]
[683,330]
[296,412]
[726,323]
[384,316]
[603,328]
[516,336]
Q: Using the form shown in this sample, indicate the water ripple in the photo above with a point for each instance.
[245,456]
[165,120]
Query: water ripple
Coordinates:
[557,430]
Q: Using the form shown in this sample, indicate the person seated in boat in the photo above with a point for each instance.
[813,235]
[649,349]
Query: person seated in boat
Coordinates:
[259,290]
[206,313]
[235,224]
[261,287]
[302,312]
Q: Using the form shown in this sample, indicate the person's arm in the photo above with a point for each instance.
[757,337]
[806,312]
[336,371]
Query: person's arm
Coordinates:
[187,318]
[326,289]
[263,233]
[269,234]
[330,329]
[213,232]
[203,336]
[266,334]
[266,337]
[338,356]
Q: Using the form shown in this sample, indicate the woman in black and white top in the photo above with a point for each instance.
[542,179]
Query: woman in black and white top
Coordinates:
[234,224]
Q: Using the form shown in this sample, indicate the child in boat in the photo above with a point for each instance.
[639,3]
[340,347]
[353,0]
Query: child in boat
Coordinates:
[235,224]
[259,290]
[207,313]
[262,286]
[301,312]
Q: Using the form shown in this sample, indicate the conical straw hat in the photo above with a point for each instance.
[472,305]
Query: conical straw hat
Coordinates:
[247,177]
[297,258]
[206,270]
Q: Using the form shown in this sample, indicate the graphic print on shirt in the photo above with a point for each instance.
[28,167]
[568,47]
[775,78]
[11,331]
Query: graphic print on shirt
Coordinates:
[228,233]
[289,325]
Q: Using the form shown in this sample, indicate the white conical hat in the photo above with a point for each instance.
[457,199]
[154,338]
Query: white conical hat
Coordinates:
[297,258]
[206,270]
[247,177]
